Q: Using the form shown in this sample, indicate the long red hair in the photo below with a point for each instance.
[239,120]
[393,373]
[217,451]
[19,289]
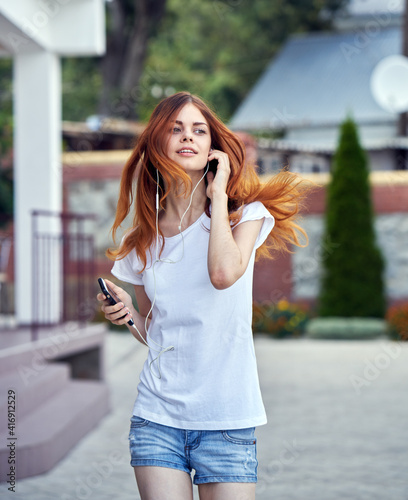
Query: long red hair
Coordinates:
[282,195]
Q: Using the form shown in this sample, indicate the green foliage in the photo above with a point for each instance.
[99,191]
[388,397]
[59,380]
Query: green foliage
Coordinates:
[352,283]
[81,86]
[6,197]
[6,142]
[218,48]
[280,320]
[213,48]
[6,121]
[346,328]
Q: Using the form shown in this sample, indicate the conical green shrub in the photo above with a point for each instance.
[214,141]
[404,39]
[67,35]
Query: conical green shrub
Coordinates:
[352,283]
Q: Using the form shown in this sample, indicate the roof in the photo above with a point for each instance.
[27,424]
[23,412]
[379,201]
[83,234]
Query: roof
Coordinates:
[33,25]
[317,79]
[98,125]
[101,133]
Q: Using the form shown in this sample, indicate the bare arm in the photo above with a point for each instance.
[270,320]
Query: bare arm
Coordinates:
[229,250]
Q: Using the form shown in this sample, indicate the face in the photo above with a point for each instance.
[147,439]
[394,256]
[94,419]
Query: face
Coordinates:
[190,139]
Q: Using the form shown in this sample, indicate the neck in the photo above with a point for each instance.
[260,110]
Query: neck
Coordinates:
[176,205]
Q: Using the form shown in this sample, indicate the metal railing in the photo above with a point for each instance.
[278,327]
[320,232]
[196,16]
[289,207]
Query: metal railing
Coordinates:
[63,267]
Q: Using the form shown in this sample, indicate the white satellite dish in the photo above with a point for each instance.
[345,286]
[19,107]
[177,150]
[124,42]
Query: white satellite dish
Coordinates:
[389,84]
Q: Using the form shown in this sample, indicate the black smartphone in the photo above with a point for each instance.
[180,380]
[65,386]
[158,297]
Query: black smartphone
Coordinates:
[213,166]
[110,296]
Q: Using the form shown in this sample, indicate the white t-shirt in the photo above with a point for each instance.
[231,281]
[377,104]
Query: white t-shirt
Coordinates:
[210,380]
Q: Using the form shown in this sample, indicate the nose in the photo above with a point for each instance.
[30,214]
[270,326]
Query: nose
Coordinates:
[187,137]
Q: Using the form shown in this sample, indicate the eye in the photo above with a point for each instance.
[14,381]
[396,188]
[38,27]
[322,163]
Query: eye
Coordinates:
[200,131]
[176,129]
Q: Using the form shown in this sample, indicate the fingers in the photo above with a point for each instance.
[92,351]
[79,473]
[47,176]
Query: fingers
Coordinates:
[223,167]
[118,314]
[100,297]
[115,288]
[218,182]
[117,293]
[223,159]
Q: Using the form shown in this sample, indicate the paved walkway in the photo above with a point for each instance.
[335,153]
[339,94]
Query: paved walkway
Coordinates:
[338,426]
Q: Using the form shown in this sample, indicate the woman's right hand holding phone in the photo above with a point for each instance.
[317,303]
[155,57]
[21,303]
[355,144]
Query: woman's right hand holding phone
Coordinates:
[121,312]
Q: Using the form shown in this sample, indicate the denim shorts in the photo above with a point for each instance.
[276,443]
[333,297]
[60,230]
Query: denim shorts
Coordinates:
[226,456]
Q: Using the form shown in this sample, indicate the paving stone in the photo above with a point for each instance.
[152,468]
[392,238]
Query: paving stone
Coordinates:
[326,439]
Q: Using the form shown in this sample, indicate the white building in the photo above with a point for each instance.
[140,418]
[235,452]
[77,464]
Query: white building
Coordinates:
[35,34]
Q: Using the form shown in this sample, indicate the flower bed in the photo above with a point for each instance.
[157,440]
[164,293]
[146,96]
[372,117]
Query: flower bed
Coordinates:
[282,319]
[397,317]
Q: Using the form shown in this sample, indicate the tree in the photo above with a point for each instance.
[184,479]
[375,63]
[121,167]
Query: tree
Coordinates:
[81,87]
[6,197]
[214,48]
[131,25]
[219,48]
[6,141]
[352,284]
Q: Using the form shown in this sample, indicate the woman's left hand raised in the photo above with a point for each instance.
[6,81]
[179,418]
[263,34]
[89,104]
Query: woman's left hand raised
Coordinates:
[217,184]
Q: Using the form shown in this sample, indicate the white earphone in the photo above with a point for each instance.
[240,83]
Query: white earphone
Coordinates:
[161,349]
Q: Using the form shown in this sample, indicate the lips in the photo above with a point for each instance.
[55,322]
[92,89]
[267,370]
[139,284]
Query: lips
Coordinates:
[187,151]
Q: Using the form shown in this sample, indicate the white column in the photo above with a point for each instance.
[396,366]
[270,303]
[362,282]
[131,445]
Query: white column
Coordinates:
[37,165]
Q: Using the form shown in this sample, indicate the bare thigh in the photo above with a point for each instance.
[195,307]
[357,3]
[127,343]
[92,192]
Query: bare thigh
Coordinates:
[162,483]
[227,491]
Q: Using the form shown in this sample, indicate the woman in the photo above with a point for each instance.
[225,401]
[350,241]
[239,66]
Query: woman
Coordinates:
[200,214]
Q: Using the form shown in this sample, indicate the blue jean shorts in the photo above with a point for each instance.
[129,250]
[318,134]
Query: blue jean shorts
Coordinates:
[226,456]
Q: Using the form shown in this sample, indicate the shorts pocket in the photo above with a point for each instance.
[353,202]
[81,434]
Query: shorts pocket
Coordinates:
[136,422]
[240,436]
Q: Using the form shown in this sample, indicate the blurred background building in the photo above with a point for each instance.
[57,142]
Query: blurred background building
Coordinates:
[318,79]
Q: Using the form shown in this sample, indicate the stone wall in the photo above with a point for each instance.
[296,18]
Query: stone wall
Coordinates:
[91,184]
[392,238]
[99,197]
[297,277]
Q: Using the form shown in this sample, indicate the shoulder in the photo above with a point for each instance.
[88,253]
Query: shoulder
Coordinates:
[257,211]
[131,258]
[254,211]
